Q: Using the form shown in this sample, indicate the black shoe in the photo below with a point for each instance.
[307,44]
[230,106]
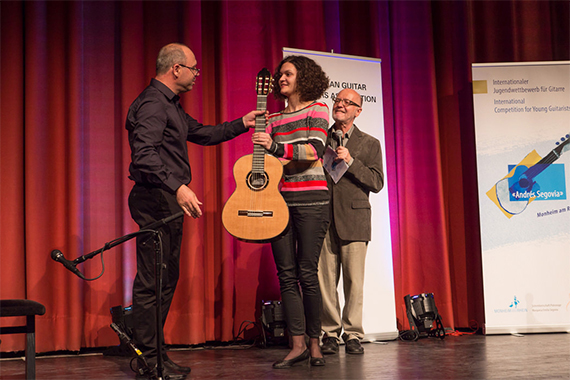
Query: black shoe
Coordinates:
[330,346]
[167,374]
[168,363]
[318,362]
[281,364]
[353,346]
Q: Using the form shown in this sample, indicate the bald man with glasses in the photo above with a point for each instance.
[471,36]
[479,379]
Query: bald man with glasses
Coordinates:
[347,239]
[159,129]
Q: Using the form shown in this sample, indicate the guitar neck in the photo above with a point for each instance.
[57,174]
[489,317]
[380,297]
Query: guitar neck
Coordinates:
[258,161]
[260,120]
[541,165]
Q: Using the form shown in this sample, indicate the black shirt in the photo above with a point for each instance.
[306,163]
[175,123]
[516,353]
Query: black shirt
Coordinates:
[158,130]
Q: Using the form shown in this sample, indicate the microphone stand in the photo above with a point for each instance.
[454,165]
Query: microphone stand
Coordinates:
[151,228]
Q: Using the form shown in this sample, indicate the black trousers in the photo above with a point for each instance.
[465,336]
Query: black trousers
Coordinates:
[296,255]
[147,205]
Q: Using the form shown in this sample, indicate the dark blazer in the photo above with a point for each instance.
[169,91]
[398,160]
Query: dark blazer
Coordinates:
[350,205]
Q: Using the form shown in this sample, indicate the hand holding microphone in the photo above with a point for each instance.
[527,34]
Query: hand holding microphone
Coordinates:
[341,151]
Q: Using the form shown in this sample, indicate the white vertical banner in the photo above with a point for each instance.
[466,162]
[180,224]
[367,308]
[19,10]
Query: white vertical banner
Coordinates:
[364,76]
[522,127]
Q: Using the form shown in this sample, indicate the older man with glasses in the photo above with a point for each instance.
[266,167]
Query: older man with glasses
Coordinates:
[347,239]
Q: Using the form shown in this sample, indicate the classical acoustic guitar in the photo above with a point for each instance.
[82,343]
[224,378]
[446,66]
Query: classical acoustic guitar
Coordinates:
[256,211]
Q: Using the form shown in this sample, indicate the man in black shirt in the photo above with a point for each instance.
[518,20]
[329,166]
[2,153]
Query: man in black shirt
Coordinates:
[158,130]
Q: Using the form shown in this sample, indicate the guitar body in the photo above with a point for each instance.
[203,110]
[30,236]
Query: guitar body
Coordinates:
[501,193]
[256,211]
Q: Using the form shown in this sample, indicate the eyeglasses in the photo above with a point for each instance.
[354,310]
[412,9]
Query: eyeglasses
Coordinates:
[345,102]
[194,69]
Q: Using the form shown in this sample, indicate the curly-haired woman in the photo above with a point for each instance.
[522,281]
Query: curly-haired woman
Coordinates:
[297,135]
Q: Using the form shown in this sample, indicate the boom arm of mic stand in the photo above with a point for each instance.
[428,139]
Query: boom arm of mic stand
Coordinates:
[123,239]
[162,222]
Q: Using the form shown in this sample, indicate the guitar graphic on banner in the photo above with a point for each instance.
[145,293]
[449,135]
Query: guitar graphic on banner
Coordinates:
[514,192]
[256,211]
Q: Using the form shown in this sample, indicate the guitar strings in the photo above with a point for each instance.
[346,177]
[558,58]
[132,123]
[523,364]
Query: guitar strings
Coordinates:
[541,165]
[258,157]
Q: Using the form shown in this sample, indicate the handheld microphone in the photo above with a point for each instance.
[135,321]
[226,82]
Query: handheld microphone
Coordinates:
[56,255]
[338,134]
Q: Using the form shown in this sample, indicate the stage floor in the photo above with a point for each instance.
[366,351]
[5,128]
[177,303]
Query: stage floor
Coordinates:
[532,356]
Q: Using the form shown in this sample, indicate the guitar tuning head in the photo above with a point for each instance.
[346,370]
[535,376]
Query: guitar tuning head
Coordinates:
[263,82]
[562,139]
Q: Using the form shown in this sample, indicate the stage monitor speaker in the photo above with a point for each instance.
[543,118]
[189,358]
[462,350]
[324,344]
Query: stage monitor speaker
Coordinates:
[273,323]
[123,318]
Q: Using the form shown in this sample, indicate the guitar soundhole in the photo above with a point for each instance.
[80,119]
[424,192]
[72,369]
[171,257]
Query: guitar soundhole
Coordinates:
[524,183]
[257,181]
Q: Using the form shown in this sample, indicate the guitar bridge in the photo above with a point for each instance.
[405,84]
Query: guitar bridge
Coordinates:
[255,213]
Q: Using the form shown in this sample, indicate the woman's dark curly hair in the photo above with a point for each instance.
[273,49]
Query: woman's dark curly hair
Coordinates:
[311,83]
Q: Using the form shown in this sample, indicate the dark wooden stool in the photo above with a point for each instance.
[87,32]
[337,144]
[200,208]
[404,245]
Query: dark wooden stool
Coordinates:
[29,309]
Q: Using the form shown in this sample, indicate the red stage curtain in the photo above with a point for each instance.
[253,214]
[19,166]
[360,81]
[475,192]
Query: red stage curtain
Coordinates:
[69,71]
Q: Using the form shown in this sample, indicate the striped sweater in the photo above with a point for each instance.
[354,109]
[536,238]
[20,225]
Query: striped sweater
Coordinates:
[299,141]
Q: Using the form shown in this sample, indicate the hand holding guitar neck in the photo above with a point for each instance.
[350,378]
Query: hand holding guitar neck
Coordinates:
[250,120]
[263,139]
